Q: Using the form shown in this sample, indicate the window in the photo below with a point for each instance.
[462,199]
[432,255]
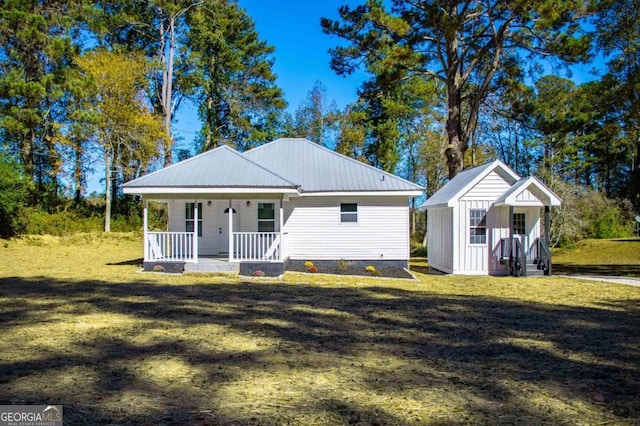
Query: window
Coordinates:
[519,223]
[266,217]
[189,214]
[478,226]
[348,212]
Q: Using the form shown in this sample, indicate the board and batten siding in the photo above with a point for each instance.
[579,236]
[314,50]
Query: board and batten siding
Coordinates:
[314,230]
[477,259]
[470,258]
[440,241]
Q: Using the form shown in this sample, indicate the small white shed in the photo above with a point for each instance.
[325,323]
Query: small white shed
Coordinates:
[487,220]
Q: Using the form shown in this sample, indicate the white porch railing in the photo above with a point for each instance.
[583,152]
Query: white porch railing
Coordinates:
[170,246]
[266,246]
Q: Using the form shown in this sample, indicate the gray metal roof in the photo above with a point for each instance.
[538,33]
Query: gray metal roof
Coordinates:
[222,167]
[318,169]
[462,182]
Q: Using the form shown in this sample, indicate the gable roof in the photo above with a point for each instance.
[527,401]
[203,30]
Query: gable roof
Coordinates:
[222,167]
[318,169]
[464,181]
[538,189]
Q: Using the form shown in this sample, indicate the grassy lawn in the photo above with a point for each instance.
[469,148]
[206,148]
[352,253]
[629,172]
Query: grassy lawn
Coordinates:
[600,257]
[82,328]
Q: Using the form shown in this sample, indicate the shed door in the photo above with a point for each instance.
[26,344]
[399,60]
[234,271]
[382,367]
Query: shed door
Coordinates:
[520,229]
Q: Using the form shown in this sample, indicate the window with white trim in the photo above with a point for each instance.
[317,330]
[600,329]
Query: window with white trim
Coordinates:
[478,226]
[348,212]
[266,217]
[189,215]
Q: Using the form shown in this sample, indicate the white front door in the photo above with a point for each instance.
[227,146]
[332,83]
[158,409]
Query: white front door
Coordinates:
[223,228]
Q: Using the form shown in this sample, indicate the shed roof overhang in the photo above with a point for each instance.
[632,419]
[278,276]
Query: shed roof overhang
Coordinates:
[528,192]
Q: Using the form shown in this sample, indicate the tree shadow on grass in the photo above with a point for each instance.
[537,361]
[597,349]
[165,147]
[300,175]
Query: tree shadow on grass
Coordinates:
[282,352]
[604,270]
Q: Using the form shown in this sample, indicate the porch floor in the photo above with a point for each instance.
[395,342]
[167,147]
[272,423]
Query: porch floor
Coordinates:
[212,264]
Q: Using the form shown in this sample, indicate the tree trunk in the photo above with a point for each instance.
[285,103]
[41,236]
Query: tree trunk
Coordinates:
[457,146]
[108,165]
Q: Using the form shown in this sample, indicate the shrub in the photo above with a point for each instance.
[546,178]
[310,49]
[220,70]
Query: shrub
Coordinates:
[372,269]
[312,269]
[13,193]
[342,265]
[258,273]
[158,268]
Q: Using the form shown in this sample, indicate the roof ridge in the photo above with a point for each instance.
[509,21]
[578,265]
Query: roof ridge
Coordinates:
[241,155]
[202,154]
[342,156]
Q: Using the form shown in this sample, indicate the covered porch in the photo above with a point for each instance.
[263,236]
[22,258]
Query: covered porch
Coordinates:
[526,250]
[242,228]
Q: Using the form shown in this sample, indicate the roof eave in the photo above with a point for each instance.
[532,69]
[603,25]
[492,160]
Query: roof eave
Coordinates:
[207,189]
[398,193]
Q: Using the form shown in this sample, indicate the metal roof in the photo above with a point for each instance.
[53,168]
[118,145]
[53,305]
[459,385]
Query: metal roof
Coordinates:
[465,180]
[222,167]
[318,169]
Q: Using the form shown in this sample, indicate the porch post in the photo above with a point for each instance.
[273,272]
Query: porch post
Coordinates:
[195,231]
[145,225]
[546,234]
[281,231]
[230,231]
[511,240]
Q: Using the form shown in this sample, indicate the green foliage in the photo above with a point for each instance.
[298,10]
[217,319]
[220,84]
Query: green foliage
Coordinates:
[13,192]
[588,214]
[70,222]
[231,77]
[463,45]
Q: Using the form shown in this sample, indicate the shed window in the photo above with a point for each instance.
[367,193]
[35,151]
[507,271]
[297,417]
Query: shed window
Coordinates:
[189,215]
[478,226]
[519,224]
[348,212]
[266,217]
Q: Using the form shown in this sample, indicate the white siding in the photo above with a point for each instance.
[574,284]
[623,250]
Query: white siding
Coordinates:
[529,198]
[440,239]
[215,222]
[314,230]
[471,258]
[488,189]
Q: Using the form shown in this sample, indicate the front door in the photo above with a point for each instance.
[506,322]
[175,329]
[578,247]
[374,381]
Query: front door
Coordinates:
[520,229]
[223,228]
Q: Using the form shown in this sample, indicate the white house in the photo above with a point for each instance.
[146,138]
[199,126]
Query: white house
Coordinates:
[473,218]
[290,200]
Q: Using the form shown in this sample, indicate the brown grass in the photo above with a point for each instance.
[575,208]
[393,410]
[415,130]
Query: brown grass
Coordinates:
[82,328]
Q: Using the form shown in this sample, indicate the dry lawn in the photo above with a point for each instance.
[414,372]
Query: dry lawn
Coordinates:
[82,327]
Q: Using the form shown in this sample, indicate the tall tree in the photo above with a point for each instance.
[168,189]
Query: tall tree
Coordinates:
[127,131]
[463,44]
[157,27]
[316,116]
[618,32]
[238,100]
[36,50]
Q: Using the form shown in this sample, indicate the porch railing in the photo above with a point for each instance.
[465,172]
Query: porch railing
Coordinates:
[169,246]
[265,246]
[543,255]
